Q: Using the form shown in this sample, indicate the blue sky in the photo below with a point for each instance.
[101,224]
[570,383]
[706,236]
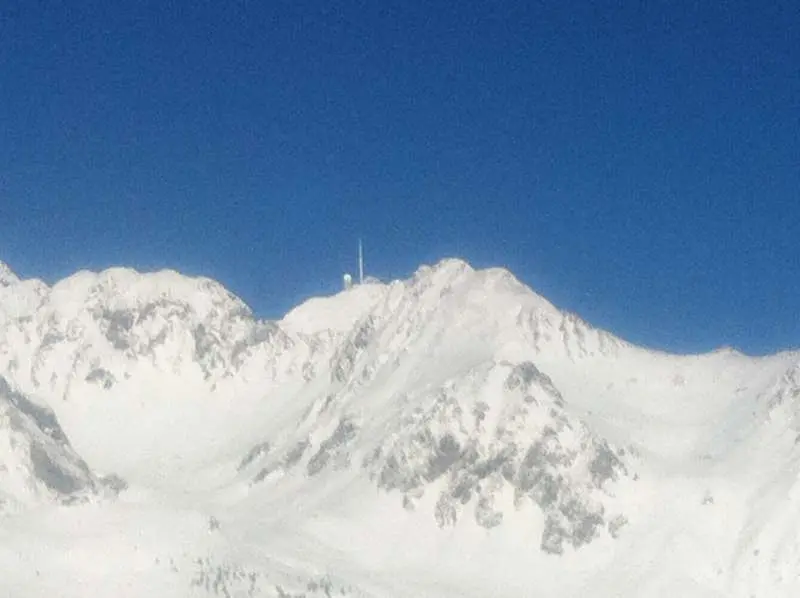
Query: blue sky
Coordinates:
[638,163]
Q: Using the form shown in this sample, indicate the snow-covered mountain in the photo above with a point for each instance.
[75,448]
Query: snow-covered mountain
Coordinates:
[453,434]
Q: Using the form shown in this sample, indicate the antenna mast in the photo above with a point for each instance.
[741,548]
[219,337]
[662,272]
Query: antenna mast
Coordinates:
[360,263]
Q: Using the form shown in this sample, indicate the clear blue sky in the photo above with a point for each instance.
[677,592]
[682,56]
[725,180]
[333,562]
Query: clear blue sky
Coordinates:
[638,163]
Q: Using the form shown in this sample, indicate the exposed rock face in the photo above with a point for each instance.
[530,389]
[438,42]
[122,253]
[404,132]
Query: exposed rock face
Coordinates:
[471,452]
[93,331]
[36,459]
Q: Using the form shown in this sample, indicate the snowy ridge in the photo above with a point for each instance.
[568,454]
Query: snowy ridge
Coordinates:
[333,314]
[456,417]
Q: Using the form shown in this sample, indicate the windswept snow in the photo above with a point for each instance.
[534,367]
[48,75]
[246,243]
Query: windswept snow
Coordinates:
[453,434]
[337,314]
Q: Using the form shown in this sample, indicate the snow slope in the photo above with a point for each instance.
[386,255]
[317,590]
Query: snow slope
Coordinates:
[453,434]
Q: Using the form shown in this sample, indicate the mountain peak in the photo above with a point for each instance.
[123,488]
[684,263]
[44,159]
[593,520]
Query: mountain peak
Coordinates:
[126,288]
[7,276]
[448,267]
